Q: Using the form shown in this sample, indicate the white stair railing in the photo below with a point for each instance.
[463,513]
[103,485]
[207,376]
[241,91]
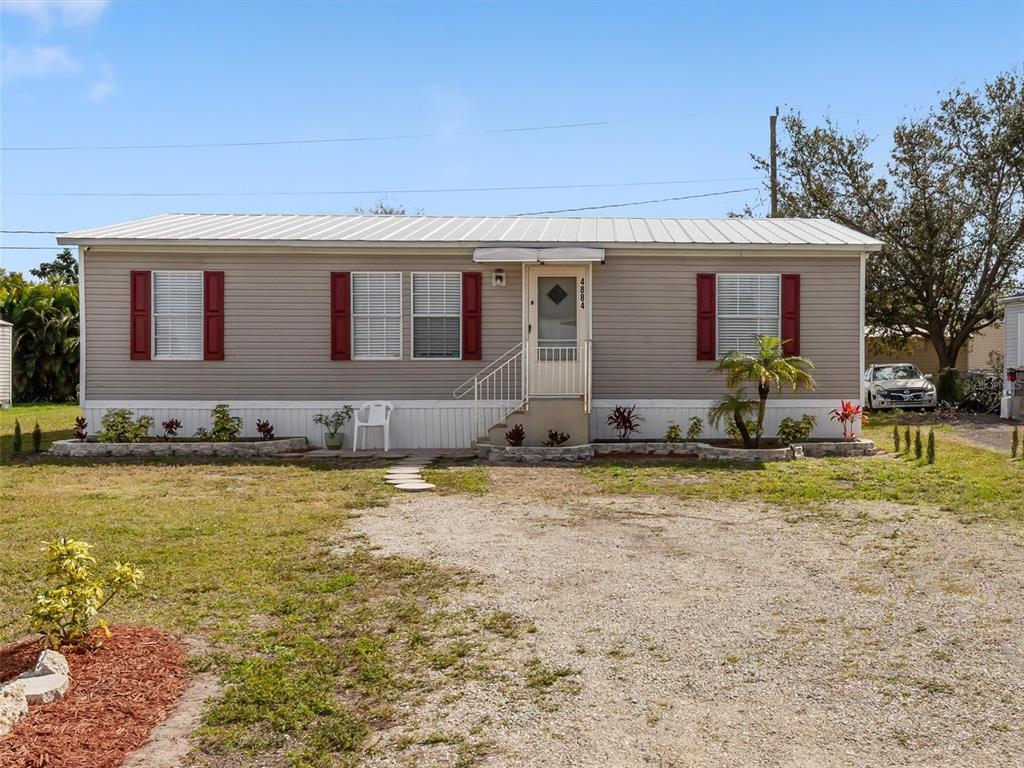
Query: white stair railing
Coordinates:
[503,381]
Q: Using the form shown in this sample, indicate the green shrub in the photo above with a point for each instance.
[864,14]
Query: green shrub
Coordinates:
[695,429]
[17,436]
[1015,443]
[896,438]
[225,427]
[795,430]
[63,614]
[119,426]
[906,441]
[37,438]
[918,447]
[931,446]
[674,434]
[949,387]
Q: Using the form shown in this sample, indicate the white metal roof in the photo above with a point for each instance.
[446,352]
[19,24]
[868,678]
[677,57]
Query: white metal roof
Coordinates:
[476,231]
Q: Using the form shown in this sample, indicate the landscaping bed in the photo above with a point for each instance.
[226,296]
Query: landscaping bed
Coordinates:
[118,692]
[77,449]
[684,450]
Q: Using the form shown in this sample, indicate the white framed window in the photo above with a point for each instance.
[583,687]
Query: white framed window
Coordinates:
[748,306]
[376,315]
[177,315]
[437,315]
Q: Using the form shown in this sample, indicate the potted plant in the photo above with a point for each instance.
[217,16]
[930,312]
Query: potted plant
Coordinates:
[333,424]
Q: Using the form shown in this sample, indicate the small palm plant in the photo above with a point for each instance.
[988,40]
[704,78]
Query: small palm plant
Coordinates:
[735,407]
[769,369]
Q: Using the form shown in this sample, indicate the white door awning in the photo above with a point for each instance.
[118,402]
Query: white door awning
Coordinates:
[569,254]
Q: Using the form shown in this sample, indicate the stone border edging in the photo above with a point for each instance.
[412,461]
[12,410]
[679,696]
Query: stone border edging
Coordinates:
[77,449]
[587,451]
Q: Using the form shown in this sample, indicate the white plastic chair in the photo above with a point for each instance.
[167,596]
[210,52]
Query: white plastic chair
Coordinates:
[378,414]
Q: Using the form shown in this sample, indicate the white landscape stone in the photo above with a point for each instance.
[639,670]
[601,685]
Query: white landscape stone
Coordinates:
[45,688]
[50,663]
[421,486]
[13,705]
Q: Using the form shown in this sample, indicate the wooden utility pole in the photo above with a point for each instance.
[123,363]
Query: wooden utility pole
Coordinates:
[775,178]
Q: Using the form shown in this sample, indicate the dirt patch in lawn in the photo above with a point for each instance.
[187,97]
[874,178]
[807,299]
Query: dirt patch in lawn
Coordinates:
[706,634]
[118,692]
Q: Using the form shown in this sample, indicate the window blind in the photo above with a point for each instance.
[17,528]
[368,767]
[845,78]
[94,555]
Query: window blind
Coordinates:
[377,315]
[437,315]
[748,307]
[178,315]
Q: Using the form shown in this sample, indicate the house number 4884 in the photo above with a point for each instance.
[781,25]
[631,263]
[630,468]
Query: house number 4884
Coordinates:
[583,293]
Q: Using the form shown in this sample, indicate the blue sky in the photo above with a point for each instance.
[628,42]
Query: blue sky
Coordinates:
[685,89]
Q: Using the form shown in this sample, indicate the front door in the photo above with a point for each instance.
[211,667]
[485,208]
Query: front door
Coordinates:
[558,330]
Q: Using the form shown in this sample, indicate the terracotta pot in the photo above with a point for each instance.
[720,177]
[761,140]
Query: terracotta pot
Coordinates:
[333,441]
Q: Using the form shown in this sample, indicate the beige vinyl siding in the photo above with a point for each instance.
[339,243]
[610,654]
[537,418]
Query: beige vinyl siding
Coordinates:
[277,324]
[986,346]
[645,322]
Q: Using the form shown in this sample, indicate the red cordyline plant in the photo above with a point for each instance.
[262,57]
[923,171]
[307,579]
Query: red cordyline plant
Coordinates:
[625,420]
[81,428]
[171,427]
[847,414]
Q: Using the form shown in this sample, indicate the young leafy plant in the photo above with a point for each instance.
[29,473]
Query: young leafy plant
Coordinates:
[516,435]
[769,368]
[171,427]
[335,422]
[555,438]
[695,429]
[225,427]
[732,412]
[847,414]
[674,434]
[37,438]
[265,428]
[81,428]
[119,426]
[17,436]
[63,614]
[796,430]
[625,420]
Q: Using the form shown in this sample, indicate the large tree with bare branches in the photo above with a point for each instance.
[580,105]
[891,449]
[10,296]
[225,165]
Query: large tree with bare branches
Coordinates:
[949,205]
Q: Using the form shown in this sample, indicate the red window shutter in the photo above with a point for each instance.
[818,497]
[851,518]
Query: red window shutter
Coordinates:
[213,315]
[472,315]
[141,315]
[790,326]
[341,315]
[706,318]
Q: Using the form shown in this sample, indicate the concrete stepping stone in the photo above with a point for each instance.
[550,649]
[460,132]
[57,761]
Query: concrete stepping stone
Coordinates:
[421,486]
[45,688]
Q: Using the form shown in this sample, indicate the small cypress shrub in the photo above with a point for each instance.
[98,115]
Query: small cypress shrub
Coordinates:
[17,436]
[906,441]
[896,438]
[931,446]
[1015,443]
[918,446]
[37,438]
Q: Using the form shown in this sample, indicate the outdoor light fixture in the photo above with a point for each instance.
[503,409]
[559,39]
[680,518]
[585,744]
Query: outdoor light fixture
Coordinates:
[498,277]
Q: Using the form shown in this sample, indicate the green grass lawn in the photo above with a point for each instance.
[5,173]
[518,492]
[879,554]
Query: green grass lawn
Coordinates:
[55,421]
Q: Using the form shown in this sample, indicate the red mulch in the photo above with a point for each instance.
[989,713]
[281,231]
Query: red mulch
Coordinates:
[118,692]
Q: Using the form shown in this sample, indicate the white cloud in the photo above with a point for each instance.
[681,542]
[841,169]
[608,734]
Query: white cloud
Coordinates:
[69,13]
[37,61]
[103,86]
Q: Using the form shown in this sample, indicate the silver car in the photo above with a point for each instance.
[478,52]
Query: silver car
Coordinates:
[898,385]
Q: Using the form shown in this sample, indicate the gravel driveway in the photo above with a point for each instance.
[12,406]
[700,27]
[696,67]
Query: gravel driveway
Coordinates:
[725,634]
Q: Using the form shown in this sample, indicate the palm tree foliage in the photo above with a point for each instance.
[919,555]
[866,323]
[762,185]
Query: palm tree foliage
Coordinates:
[735,407]
[770,369]
[45,338]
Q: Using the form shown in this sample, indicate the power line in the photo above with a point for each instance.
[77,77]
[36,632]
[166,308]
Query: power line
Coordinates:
[31,232]
[333,140]
[411,191]
[638,202]
[28,248]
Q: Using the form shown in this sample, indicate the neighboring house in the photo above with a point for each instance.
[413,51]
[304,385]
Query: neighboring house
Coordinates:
[1013,346]
[984,347]
[6,362]
[459,321]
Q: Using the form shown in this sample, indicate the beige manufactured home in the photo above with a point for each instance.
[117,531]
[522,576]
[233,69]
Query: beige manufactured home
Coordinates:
[461,321]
